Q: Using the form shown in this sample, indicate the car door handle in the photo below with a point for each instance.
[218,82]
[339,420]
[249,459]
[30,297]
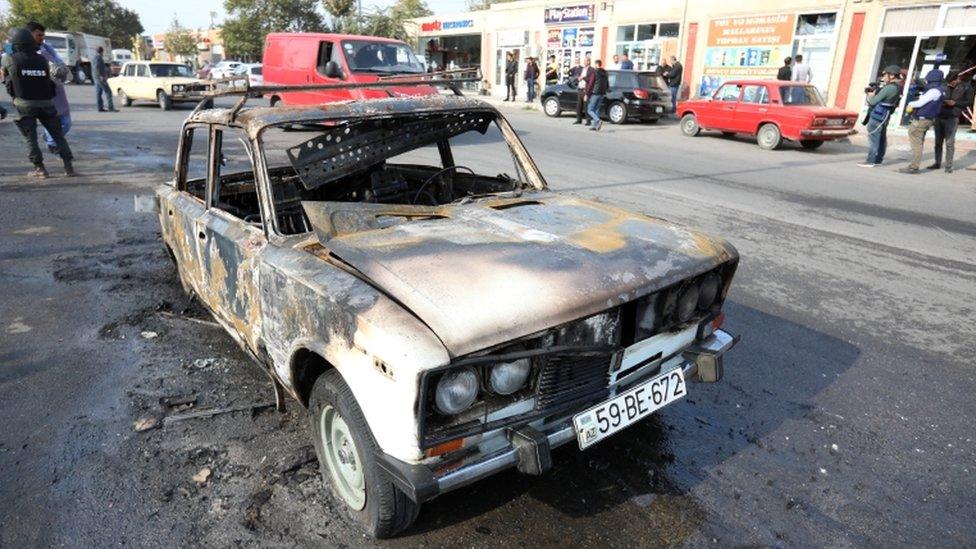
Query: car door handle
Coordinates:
[202,235]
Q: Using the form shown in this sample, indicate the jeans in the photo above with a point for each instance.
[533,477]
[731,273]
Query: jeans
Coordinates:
[530,86]
[916,136]
[593,109]
[101,87]
[48,117]
[65,120]
[674,98]
[945,133]
[877,140]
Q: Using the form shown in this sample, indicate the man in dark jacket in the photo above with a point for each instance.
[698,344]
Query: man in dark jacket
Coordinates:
[597,85]
[530,75]
[29,84]
[958,98]
[924,111]
[578,76]
[511,71]
[102,73]
[675,74]
[786,71]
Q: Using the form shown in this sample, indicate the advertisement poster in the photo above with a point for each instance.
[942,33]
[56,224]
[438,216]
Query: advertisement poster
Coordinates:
[585,38]
[746,47]
[569,38]
[554,38]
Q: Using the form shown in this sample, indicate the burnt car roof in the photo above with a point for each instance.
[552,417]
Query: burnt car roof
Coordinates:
[254,119]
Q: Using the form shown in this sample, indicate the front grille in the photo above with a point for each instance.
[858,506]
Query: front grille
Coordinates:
[571,377]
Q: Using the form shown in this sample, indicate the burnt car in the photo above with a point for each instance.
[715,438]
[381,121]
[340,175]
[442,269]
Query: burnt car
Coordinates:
[400,268]
[640,96]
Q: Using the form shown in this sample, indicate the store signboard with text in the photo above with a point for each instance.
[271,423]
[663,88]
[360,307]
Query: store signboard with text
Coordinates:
[583,13]
[746,47]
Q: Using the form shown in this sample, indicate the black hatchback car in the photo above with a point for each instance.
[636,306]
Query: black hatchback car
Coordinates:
[633,95]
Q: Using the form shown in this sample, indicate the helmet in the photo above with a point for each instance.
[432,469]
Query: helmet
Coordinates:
[22,37]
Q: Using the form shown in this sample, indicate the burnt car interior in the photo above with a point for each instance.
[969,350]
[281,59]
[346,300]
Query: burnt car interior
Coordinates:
[407,161]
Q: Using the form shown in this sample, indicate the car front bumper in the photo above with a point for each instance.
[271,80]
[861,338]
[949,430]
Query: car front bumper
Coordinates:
[529,448]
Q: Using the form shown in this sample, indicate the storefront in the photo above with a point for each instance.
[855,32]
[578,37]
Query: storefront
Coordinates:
[570,35]
[922,38]
[451,44]
[647,44]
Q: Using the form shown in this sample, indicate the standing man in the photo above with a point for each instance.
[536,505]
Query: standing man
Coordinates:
[581,78]
[625,63]
[597,84]
[801,71]
[531,74]
[674,81]
[615,64]
[958,98]
[552,71]
[102,72]
[60,73]
[924,111]
[882,103]
[29,84]
[511,70]
[786,71]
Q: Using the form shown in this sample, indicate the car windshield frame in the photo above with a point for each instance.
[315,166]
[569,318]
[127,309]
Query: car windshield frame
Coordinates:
[809,95]
[181,70]
[352,49]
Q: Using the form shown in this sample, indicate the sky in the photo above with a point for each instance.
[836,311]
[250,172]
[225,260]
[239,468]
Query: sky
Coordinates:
[156,16]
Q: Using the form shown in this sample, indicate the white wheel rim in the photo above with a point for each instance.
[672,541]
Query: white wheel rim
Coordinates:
[689,125]
[616,113]
[342,458]
[551,107]
[768,137]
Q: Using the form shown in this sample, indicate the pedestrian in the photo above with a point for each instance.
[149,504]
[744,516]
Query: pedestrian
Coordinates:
[924,111]
[29,84]
[959,97]
[881,102]
[102,73]
[615,64]
[59,74]
[786,71]
[597,84]
[511,70]
[675,74]
[801,71]
[625,63]
[580,74]
[552,71]
[530,75]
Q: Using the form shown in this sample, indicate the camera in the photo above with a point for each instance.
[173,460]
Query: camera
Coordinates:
[873,87]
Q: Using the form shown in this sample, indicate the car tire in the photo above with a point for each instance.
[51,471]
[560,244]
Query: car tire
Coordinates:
[123,99]
[347,460]
[551,106]
[769,137]
[165,101]
[811,144]
[689,125]
[617,113]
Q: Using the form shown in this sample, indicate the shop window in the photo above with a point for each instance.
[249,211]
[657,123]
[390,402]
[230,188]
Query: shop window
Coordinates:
[646,32]
[910,20]
[960,17]
[625,33]
[816,23]
[668,30]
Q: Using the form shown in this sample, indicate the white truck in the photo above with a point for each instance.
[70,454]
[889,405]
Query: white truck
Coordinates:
[78,50]
[122,56]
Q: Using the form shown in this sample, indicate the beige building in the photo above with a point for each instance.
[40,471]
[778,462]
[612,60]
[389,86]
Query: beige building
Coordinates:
[845,42]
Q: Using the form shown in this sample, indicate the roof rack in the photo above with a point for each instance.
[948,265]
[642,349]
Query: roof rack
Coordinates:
[448,79]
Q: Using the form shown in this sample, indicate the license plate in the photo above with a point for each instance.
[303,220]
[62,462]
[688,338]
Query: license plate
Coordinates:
[616,414]
[835,122]
[658,109]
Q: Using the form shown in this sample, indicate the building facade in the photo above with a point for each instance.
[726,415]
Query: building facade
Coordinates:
[845,42]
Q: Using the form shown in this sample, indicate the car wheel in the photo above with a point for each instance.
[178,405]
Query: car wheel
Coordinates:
[551,106]
[617,113]
[165,101]
[347,459]
[811,144]
[689,125]
[124,99]
[769,137]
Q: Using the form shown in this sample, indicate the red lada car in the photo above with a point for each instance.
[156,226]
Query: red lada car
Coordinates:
[772,110]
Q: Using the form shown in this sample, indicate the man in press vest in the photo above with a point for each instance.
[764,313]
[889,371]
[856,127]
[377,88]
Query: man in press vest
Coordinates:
[924,111]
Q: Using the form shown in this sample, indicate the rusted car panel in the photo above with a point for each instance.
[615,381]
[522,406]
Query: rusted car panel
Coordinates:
[480,275]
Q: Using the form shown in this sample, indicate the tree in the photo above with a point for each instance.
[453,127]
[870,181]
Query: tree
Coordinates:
[340,11]
[99,17]
[410,9]
[248,21]
[53,14]
[179,41]
[475,5]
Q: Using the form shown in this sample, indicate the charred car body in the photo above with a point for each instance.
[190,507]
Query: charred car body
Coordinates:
[399,267]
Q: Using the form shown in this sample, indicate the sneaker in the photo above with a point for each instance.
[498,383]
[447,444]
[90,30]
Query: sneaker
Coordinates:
[866,165]
[908,169]
[935,166]
[40,172]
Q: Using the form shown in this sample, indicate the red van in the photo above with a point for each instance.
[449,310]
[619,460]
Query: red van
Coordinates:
[319,58]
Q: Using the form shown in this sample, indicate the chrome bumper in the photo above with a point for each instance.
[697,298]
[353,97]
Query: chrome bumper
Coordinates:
[529,448]
[827,133]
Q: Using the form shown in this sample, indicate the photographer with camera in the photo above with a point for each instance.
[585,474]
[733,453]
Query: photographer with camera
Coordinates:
[882,98]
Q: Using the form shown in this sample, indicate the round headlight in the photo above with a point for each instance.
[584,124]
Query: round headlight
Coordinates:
[508,377]
[456,390]
[687,303]
[708,290]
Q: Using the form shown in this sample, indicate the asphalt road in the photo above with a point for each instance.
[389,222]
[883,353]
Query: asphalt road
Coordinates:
[845,417]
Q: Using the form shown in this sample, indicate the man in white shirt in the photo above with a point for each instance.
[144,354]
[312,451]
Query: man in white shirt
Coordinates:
[615,64]
[801,71]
